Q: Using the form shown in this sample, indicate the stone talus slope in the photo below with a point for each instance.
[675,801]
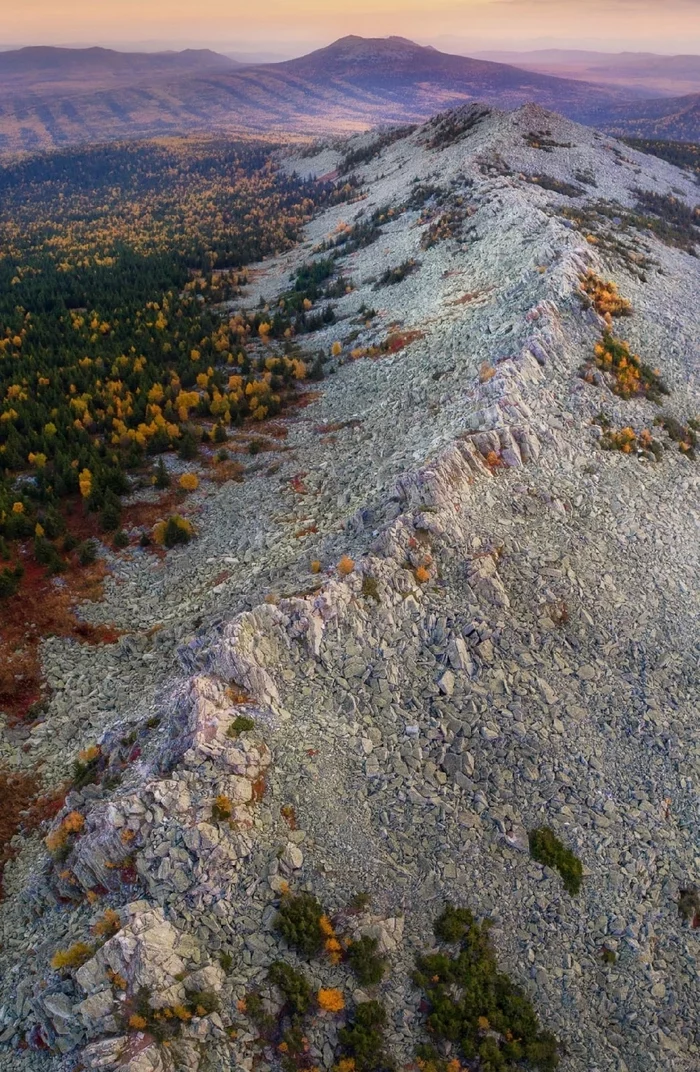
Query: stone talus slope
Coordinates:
[516,645]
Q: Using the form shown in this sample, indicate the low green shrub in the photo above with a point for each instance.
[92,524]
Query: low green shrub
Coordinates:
[240,724]
[547,849]
[299,923]
[365,961]
[87,552]
[689,905]
[557,186]
[477,1007]
[46,555]
[362,1039]
[9,580]
[395,275]
[370,589]
[295,987]
[86,772]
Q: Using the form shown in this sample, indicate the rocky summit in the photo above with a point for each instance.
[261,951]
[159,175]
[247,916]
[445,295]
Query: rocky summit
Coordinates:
[440,646]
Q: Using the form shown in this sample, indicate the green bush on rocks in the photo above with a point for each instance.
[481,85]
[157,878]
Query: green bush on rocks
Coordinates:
[240,724]
[365,961]
[547,849]
[294,985]
[476,1006]
[299,923]
[363,1038]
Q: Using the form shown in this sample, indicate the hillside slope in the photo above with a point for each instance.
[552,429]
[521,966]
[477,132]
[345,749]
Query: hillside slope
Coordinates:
[510,641]
[673,119]
[351,85]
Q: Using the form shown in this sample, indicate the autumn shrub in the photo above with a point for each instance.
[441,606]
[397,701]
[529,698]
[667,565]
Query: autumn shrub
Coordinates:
[331,943]
[86,767]
[447,128]
[547,849]
[628,441]
[628,375]
[542,139]
[221,809]
[173,531]
[299,923]
[108,925]
[165,1023]
[477,1007]
[330,1000]
[365,961]
[60,841]
[295,987]
[443,228]
[345,566]
[203,1002]
[74,957]
[189,482]
[605,297]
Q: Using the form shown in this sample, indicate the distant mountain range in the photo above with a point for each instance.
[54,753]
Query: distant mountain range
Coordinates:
[53,97]
[36,66]
[657,75]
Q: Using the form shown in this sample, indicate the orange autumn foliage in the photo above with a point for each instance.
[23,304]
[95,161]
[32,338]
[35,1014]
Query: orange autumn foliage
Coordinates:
[331,1000]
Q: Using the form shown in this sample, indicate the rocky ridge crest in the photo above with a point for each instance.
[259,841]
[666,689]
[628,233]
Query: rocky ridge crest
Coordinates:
[514,644]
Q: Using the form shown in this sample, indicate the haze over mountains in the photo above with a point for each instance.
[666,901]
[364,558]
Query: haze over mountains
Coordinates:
[670,76]
[59,97]
[54,97]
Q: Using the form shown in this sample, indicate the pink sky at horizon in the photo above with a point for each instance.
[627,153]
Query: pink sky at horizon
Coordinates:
[293,26]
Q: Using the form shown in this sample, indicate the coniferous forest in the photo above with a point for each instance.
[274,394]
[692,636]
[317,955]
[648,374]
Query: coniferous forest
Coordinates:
[115,343]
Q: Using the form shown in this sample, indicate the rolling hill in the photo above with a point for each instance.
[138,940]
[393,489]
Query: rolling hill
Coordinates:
[91,67]
[672,119]
[55,97]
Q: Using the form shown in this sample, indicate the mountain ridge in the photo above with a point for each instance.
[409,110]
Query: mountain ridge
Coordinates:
[352,84]
[449,608]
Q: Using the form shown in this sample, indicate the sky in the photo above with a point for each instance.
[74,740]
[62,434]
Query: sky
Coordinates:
[290,27]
